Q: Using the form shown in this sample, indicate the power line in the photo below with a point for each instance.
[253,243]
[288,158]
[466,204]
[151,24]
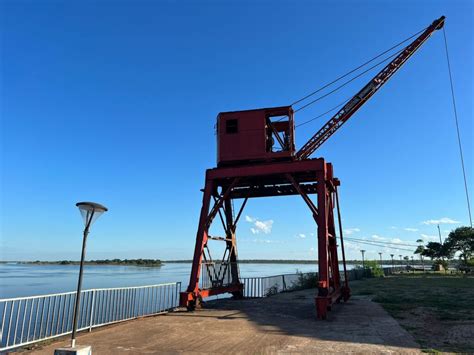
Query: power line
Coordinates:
[383,242]
[355,69]
[388,247]
[457,127]
[381,245]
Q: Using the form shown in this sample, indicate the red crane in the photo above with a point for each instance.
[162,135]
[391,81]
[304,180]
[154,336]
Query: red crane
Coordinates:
[256,157]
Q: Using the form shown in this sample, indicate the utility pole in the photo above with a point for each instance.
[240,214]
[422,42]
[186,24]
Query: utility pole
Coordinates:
[439,233]
[441,242]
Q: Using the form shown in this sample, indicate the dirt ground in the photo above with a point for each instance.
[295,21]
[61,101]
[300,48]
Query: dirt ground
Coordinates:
[284,323]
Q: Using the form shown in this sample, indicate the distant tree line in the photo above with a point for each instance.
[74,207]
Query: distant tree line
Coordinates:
[139,262]
[460,240]
[136,262]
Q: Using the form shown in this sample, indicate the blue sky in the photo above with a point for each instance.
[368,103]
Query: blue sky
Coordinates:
[115,102]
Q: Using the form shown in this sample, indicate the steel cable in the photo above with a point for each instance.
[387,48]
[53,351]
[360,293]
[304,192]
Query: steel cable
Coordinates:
[457,127]
[355,69]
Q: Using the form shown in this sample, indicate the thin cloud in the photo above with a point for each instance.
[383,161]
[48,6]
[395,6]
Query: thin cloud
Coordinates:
[411,229]
[259,226]
[264,226]
[429,238]
[444,220]
[266,241]
[396,240]
[350,231]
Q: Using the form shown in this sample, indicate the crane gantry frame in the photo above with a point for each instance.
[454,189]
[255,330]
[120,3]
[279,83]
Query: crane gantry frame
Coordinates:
[248,167]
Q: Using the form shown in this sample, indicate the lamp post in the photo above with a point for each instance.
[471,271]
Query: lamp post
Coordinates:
[401,261]
[363,265]
[413,264]
[391,255]
[363,252]
[90,211]
[380,253]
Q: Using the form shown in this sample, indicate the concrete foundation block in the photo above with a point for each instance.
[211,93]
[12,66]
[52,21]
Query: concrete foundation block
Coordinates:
[77,350]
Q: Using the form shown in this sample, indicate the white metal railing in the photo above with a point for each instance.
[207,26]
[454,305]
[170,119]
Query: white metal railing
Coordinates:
[27,320]
[255,287]
[270,285]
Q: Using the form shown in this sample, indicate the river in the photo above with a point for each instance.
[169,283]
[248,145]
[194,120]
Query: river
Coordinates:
[19,280]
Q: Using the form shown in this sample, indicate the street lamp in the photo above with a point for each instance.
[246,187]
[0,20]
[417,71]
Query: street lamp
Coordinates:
[363,265]
[413,264]
[380,253]
[401,262]
[391,255]
[363,251]
[90,211]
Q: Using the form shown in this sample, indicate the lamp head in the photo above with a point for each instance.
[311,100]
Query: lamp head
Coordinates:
[90,211]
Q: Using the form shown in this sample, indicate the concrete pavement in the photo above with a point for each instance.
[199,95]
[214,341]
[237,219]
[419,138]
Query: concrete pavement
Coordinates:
[284,323]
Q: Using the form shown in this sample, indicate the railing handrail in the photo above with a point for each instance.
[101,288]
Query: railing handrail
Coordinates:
[287,274]
[88,290]
[27,320]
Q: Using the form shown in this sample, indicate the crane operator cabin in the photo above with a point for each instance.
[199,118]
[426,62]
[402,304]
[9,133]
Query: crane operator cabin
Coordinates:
[259,135]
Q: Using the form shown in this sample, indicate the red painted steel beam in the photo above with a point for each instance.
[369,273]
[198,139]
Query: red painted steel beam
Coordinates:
[280,168]
[269,191]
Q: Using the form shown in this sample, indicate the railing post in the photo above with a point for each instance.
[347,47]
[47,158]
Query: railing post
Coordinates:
[92,310]
[283,282]
[3,323]
[178,291]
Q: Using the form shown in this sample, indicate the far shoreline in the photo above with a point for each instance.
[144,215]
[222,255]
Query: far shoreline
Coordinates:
[158,263]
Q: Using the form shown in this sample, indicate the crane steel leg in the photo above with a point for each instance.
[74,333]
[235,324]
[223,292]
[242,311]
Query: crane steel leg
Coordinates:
[329,283]
[223,276]
[231,245]
[322,221]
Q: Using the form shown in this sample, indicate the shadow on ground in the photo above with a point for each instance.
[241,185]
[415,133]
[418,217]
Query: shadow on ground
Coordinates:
[359,321]
[279,324]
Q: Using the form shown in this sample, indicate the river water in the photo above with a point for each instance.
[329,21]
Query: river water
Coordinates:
[19,280]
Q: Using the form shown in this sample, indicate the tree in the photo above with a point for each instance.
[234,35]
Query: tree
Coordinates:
[461,240]
[432,250]
[420,248]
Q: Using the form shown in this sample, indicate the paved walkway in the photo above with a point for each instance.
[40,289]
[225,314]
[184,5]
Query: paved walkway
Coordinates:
[280,324]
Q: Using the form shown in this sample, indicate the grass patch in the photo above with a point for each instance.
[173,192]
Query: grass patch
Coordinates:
[437,309]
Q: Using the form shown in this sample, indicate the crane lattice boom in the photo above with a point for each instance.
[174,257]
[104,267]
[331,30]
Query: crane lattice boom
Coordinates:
[366,93]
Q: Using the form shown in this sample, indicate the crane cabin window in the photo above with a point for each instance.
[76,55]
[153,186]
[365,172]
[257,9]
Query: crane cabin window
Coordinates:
[278,133]
[232,126]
